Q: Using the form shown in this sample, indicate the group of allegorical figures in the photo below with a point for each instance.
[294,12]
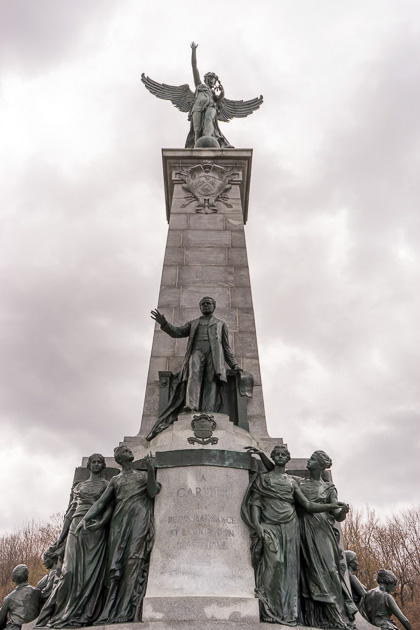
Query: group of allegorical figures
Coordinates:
[108,534]
[105,545]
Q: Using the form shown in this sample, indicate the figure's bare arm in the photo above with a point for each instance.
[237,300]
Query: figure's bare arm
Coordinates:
[253,450]
[196,74]
[311,506]
[152,487]
[341,514]
[392,605]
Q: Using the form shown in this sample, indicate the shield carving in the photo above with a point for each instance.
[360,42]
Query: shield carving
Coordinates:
[203,426]
[206,184]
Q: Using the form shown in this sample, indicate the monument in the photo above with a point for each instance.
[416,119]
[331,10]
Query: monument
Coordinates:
[191,524]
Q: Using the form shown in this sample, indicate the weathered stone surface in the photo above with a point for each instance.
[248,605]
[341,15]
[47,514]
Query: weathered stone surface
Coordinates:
[246,344]
[197,275]
[238,239]
[198,512]
[178,222]
[242,277]
[209,255]
[246,320]
[241,297]
[193,295]
[186,609]
[169,296]
[229,436]
[169,276]
[206,222]
[174,256]
[163,345]
[234,222]
[237,257]
[156,364]
[206,238]
[174,238]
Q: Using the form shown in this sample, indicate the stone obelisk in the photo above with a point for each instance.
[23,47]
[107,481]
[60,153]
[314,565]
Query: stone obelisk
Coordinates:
[200,566]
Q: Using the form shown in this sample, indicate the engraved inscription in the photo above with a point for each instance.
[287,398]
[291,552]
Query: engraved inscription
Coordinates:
[199,527]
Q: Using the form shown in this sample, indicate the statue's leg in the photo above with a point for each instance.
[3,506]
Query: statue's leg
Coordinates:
[195,378]
[197,120]
[209,385]
[209,122]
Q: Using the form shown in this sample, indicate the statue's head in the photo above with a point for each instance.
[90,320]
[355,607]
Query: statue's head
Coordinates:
[207,305]
[351,559]
[387,579]
[20,574]
[280,454]
[48,559]
[123,453]
[319,459]
[210,79]
[95,461]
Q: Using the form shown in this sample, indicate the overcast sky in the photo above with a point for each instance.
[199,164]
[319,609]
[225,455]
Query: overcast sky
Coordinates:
[333,231]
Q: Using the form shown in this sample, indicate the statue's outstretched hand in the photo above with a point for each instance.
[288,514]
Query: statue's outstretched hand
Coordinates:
[194,45]
[253,450]
[158,317]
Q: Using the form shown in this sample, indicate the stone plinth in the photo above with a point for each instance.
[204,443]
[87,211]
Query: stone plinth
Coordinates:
[200,566]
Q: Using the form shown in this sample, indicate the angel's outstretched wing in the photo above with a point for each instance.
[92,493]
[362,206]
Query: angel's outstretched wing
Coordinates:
[180,95]
[237,109]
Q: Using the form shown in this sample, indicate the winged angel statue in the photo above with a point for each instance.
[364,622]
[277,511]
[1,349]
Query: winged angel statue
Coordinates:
[205,107]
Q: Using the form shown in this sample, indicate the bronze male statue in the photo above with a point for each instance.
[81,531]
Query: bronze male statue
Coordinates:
[203,368]
[21,605]
[206,106]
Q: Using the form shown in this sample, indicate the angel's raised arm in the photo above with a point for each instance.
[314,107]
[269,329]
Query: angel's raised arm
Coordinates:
[196,74]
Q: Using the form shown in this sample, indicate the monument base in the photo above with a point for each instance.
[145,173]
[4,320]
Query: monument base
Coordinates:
[361,624]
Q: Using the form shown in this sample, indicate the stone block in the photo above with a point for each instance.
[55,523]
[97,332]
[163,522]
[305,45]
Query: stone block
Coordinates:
[174,256]
[163,344]
[174,238]
[192,295]
[169,276]
[206,238]
[206,222]
[241,297]
[206,255]
[178,222]
[235,206]
[151,400]
[197,275]
[256,403]
[156,365]
[238,239]
[235,222]
[246,320]
[242,277]
[201,545]
[237,257]
[169,296]
[242,610]
[246,344]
